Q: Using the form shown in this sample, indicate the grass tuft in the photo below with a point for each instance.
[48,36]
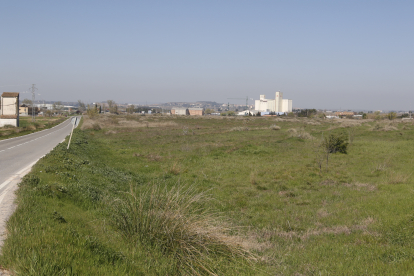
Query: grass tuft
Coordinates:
[175,221]
[239,128]
[300,133]
[175,169]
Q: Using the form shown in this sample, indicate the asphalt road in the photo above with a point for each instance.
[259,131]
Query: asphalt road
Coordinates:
[17,156]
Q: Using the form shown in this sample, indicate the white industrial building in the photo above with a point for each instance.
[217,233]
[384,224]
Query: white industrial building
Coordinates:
[287,105]
[278,104]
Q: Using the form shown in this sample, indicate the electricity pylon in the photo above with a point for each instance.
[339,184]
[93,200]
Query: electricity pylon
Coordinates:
[33,89]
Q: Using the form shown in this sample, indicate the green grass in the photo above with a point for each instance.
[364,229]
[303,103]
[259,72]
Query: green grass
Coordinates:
[270,209]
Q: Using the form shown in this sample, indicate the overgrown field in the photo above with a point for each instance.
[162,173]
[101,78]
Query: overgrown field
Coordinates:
[155,195]
[27,126]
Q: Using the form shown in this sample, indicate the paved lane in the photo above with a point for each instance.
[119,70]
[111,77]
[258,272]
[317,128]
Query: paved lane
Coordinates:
[17,156]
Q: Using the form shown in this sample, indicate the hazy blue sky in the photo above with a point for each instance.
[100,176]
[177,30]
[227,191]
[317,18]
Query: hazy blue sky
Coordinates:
[321,54]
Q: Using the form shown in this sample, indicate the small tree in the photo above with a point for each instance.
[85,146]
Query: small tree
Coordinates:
[392,115]
[319,155]
[57,107]
[81,106]
[334,143]
[27,102]
[208,111]
[92,111]
[130,109]
[113,107]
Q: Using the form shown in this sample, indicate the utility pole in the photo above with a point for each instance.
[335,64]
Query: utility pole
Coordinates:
[33,88]
[247,101]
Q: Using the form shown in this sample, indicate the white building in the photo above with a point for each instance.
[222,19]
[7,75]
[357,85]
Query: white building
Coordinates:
[287,105]
[9,109]
[179,111]
[273,105]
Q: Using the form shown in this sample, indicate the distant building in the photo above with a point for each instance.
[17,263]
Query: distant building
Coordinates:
[245,113]
[178,111]
[277,105]
[286,105]
[344,113]
[52,106]
[192,111]
[9,112]
[24,110]
[196,111]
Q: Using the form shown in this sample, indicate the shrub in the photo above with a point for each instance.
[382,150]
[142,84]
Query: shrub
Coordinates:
[96,126]
[392,115]
[92,111]
[336,143]
[174,221]
[228,113]
[300,133]
[31,127]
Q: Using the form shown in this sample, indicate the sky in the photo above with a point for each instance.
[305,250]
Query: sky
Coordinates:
[321,54]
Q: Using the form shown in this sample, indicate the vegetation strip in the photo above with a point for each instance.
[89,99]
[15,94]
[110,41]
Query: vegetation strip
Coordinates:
[153,195]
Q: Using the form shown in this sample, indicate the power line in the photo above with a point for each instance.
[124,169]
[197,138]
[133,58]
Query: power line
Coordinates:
[33,88]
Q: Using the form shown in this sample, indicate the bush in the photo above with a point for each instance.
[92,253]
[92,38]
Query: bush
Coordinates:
[392,115]
[336,143]
[174,221]
[228,113]
[96,126]
[300,133]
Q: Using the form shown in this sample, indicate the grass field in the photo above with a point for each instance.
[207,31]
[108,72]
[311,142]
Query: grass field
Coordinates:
[153,195]
[26,126]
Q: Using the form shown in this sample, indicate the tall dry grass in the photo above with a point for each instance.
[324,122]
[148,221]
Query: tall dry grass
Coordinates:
[385,126]
[175,221]
[114,121]
[300,133]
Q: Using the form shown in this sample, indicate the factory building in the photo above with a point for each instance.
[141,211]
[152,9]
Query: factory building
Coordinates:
[273,105]
[287,105]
